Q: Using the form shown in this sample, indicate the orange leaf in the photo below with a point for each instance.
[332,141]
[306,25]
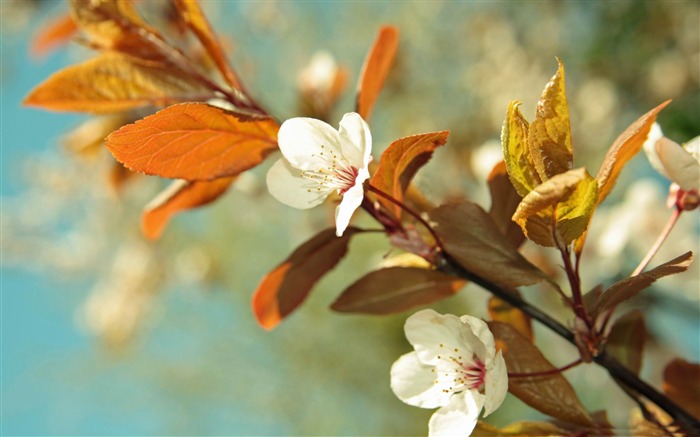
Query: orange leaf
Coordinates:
[396,289]
[193,141]
[504,201]
[180,196]
[376,69]
[625,146]
[400,162]
[114,82]
[550,394]
[115,25]
[52,35]
[502,311]
[194,18]
[288,284]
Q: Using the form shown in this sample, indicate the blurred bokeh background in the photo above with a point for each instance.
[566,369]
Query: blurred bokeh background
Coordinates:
[105,333]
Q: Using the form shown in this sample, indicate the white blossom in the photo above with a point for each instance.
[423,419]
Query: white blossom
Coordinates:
[455,367]
[319,160]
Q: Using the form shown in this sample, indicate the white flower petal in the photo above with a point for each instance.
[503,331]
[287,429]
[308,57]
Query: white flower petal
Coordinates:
[352,199]
[288,186]
[356,140]
[458,418]
[435,335]
[485,348]
[414,383]
[655,134]
[680,165]
[495,384]
[300,140]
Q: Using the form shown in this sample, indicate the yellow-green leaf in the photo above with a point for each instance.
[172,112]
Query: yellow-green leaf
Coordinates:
[549,139]
[516,153]
[559,210]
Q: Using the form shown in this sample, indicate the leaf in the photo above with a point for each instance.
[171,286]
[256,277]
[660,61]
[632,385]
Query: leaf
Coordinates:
[52,35]
[196,20]
[550,394]
[118,176]
[179,196]
[114,82]
[626,340]
[473,240]
[625,146]
[682,385]
[193,141]
[400,162]
[549,139]
[115,25]
[288,284]
[520,429]
[396,289]
[559,210]
[516,151]
[376,69]
[502,311]
[629,287]
[504,202]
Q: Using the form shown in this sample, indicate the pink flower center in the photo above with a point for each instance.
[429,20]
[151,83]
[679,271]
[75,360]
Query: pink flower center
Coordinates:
[334,173]
[460,372]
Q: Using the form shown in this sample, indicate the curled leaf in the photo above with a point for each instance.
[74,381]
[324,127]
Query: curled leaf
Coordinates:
[400,162]
[516,151]
[285,288]
[193,141]
[558,210]
[504,202]
[470,236]
[396,289]
[179,196]
[549,138]
[114,82]
[550,394]
[376,69]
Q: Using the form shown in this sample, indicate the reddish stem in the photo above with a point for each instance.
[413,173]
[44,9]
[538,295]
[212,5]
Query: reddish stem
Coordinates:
[406,208]
[659,241]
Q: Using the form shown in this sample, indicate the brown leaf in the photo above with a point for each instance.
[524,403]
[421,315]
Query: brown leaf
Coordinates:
[625,146]
[179,196]
[118,176]
[288,284]
[52,35]
[376,69]
[550,394]
[549,139]
[682,385]
[504,201]
[196,20]
[115,25]
[193,141]
[114,82]
[474,241]
[502,311]
[396,289]
[626,340]
[629,287]
[400,162]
